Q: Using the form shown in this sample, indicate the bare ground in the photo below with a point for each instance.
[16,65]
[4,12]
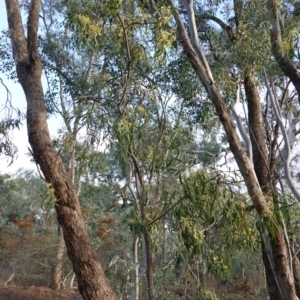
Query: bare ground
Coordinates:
[35,293]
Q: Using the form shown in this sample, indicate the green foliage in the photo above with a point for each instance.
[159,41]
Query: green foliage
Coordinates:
[213,221]
[7,65]
[11,117]
[115,71]
[21,195]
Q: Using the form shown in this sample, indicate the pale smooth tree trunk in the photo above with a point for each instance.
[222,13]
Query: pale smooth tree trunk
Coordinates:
[136,269]
[91,279]
[140,270]
[57,269]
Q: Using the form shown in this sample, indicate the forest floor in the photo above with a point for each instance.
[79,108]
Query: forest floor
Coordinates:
[35,293]
[225,291]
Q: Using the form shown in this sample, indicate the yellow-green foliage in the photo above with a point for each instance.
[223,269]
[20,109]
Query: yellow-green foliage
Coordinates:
[48,199]
[88,26]
[290,33]
[191,235]
[164,34]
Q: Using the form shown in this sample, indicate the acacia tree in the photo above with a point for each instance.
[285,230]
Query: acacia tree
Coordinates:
[91,279]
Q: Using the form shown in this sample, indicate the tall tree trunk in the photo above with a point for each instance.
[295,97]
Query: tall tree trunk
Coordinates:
[57,269]
[258,135]
[296,265]
[133,293]
[90,276]
[149,269]
[262,169]
[261,166]
[276,248]
[136,279]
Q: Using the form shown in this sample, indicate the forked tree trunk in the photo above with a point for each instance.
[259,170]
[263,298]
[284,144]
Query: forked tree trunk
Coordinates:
[91,280]
[276,248]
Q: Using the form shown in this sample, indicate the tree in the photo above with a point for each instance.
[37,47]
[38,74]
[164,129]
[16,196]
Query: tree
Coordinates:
[275,244]
[283,48]
[91,279]
[134,59]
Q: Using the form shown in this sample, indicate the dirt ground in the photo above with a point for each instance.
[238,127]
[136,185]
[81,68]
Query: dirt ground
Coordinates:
[35,293]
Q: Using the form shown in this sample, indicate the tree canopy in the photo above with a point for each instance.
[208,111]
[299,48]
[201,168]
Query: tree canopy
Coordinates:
[177,159]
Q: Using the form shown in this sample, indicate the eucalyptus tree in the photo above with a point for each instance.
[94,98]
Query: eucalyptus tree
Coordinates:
[152,137]
[134,39]
[65,82]
[260,187]
[258,177]
[285,38]
[141,113]
[91,280]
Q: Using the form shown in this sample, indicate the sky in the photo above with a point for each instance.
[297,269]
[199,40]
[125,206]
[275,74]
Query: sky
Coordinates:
[18,137]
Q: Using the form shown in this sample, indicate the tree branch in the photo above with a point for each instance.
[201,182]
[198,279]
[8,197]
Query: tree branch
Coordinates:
[188,4]
[18,39]
[167,211]
[223,25]
[240,125]
[32,28]
[287,147]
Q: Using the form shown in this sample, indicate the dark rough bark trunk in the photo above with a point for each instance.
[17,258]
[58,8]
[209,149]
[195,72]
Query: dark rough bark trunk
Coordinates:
[273,291]
[91,280]
[295,266]
[257,135]
[56,274]
[284,273]
[261,164]
[149,269]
